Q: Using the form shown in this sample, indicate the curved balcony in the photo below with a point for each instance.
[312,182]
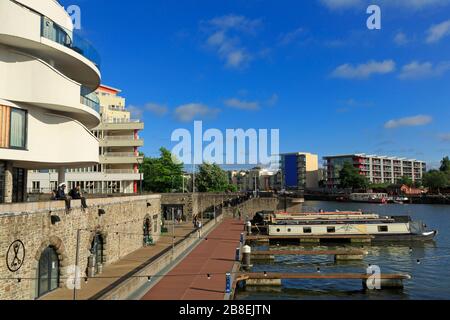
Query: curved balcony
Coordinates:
[90,100]
[31,32]
[35,82]
[54,141]
[69,39]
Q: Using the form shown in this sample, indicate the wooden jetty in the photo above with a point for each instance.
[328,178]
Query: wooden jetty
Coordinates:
[339,255]
[274,279]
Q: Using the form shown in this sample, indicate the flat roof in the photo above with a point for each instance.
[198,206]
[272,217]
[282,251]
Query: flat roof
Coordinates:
[109,89]
[364,155]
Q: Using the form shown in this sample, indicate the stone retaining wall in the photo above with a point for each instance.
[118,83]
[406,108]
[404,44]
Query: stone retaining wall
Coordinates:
[121,227]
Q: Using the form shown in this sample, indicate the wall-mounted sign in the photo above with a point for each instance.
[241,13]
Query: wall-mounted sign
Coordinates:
[15,256]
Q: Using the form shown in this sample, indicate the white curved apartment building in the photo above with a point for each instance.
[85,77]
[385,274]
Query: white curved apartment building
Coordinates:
[47,102]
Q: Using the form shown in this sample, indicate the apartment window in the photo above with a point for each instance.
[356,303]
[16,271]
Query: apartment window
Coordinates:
[18,130]
[36,186]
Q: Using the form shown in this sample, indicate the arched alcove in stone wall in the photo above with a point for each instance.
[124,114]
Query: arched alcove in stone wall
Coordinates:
[58,245]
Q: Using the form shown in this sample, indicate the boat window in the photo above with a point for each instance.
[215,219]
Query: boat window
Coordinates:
[331,229]
[383,228]
[307,230]
[278,230]
[289,230]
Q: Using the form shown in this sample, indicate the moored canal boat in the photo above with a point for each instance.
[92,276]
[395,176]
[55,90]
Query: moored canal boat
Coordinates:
[334,224]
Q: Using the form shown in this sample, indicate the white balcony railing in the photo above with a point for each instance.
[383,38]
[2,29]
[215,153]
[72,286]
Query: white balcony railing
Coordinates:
[115,138]
[120,171]
[121,154]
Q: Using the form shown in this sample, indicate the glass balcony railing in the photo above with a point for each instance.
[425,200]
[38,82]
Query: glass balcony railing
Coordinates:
[90,99]
[58,34]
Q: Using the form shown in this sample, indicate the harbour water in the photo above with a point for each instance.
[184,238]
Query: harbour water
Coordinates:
[427,263]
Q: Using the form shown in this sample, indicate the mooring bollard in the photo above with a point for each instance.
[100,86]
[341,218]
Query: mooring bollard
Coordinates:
[246,257]
[242,239]
[238,254]
[249,228]
[228,284]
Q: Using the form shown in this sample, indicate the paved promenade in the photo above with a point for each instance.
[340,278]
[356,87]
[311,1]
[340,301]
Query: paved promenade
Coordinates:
[215,256]
[121,268]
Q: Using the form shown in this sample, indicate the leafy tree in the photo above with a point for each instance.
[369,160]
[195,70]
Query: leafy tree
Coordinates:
[445,165]
[435,180]
[351,178]
[163,174]
[211,178]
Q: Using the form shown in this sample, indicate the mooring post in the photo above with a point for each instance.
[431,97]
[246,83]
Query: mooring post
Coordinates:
[246,257]
[249,228]
[228,284]
[242,239]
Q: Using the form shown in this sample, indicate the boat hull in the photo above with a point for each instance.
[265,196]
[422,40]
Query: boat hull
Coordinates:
[428,236]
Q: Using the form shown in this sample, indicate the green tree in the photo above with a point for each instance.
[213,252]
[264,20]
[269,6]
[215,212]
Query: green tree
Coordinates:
[445,165]
[351,178]
[163,174]
[406,181]
[435,180]
[211,178]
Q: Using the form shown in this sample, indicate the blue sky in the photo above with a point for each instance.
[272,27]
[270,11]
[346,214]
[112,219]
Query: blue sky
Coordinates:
[309,68]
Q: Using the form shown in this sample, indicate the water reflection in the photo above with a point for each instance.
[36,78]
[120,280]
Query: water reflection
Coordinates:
[427,263]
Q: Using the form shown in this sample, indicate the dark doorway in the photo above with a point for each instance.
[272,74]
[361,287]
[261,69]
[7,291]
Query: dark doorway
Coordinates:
[97,251]
[19,178]
[48,273]
[173,212]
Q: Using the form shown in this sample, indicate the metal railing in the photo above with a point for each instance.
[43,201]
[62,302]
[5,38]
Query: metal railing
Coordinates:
[121,154]
[120,171]
[120,121]
[58,34]
[115,138]
[90,99]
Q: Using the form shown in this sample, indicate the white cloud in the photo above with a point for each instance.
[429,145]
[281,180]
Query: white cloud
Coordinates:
[363,71]
[438,32]
[273,100]
[240,104]
[157,109]
[224,36]
[290,37]
[194,111]
[401,39]
[420,120]
[445,137]
[136,112]
[416,70]
[341,4]
[406,4]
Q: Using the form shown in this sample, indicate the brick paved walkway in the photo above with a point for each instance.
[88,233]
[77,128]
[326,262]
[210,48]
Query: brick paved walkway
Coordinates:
[216,255]
[120,268]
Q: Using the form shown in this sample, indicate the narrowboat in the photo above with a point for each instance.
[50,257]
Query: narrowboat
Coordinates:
[381,228]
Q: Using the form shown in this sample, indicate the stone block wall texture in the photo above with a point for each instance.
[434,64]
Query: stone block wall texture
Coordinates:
[198,203]
[121,228]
